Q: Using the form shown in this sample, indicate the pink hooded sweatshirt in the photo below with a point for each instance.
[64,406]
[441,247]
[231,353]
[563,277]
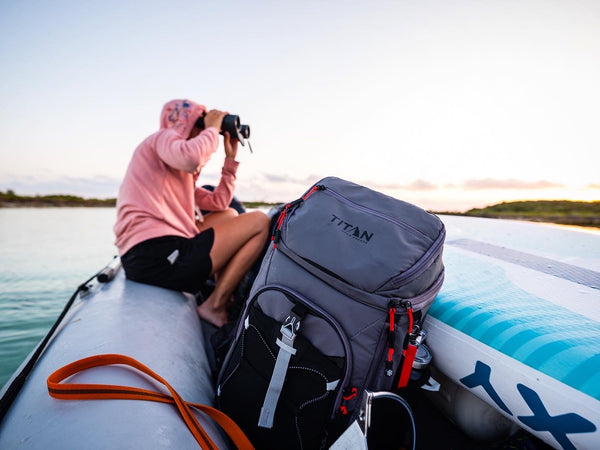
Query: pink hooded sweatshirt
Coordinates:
[158,195]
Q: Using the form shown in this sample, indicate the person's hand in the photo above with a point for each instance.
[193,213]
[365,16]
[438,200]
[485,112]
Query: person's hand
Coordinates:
[231,145]
[214,118]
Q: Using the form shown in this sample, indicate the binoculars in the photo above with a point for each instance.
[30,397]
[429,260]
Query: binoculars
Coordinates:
[231,124]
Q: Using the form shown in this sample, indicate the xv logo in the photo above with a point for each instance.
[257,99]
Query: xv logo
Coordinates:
[559,426]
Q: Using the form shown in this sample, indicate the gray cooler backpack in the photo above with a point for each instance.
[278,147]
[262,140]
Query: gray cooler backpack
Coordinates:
[335,311]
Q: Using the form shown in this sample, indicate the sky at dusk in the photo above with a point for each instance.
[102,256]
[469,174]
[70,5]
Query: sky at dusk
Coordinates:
[446,104]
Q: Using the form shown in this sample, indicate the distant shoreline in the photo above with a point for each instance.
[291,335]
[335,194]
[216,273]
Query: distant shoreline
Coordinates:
[562,212]
[11,200]
[593,222]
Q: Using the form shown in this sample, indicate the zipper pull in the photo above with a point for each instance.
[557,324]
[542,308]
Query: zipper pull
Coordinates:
[316,187]
[276,237]
[410,350]
[348,394]
[409,310]
[389,369]
[277,233]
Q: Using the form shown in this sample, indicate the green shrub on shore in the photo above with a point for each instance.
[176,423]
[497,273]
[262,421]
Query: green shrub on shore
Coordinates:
[564,212]
[9,198]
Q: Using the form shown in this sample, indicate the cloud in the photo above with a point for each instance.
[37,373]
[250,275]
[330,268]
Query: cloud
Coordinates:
[416,185]
[276,178]
[307,181]
[509,183]
[422,185]
[593,186]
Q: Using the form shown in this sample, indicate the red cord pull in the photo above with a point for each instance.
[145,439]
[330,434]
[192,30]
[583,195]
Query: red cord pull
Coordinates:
[389,371]
[277,233]
[309,193]
[409,358]
[410,351]
[353,393]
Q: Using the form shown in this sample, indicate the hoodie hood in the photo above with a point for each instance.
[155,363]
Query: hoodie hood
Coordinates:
[180,116]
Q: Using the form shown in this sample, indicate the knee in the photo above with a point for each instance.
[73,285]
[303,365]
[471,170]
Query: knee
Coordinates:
[230,212]
[261,221]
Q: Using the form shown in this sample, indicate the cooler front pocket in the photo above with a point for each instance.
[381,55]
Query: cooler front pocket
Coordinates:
[277,401]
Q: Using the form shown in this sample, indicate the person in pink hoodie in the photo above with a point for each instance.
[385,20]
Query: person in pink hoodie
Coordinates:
[161,236]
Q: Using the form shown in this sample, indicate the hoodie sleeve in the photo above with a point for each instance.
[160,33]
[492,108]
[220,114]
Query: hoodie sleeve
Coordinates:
[221,197]
[187,155]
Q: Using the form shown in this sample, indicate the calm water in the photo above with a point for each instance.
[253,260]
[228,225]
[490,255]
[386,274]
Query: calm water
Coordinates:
[45,253]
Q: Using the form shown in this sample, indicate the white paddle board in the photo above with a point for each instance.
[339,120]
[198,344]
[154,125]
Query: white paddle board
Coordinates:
[517,323]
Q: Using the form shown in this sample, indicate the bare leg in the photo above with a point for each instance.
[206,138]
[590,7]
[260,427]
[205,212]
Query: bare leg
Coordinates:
[211,219]
[215,217]
[238,242]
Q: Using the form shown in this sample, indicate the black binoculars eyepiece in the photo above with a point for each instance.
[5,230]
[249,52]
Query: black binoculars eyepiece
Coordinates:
[231,124]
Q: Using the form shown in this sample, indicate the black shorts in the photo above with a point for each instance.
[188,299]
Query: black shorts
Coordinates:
[172,262]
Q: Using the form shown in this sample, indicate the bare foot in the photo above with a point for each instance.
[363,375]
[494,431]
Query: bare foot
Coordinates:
[215,316]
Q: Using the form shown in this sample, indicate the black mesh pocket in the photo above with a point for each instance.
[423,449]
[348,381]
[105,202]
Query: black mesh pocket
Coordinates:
[307,397]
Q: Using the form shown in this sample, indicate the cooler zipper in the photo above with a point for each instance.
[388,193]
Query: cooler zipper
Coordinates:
[290,207]
[395,221]
[423,296]
[416,300]
[420,266]
[396,309]
[378,357]
[423,262]
[290,254]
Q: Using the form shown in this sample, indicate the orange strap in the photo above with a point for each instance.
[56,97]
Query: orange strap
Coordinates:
[74,391]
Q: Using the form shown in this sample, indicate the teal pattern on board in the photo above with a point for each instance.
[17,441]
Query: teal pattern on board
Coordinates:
[480,301]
